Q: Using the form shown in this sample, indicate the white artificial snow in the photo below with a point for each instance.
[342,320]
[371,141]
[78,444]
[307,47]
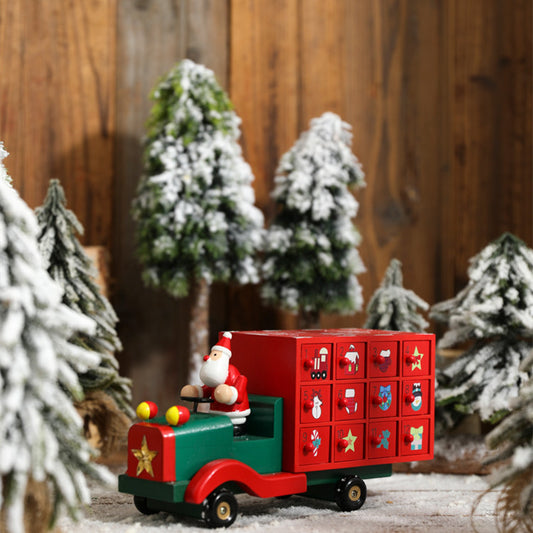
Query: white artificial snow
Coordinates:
[392,307]
[415,503]
[3,172]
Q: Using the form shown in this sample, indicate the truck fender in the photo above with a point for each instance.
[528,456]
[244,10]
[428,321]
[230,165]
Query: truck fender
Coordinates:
[220,471]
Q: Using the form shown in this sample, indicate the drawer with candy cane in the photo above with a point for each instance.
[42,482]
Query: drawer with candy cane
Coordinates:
[314,445]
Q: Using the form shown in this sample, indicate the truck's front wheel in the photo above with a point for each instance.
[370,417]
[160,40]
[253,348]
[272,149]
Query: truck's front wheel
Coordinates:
[350,493]
[220,508]
[142,505]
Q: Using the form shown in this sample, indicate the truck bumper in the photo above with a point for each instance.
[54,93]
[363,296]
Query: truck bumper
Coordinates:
[155,490]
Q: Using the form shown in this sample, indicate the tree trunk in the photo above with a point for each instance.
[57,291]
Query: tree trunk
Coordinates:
[198,328]
[309,320]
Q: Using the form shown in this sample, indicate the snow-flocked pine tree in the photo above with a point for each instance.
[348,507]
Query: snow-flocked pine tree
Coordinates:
[195,213]
[311,260]
[513,440]
[4,176]
[494,315]
[69,265]
[40,430]
[392,307]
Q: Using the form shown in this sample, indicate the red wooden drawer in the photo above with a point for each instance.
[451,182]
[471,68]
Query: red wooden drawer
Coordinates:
[349,401]
[350,360]
[315,403]
[316,362]
[382,437]
[383,359]
[314,445]
[415,437]
[383,399]
[416,358]
[415,397]
[348,442]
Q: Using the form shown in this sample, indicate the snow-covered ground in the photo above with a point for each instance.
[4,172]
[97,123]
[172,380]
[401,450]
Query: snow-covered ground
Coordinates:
[404,502]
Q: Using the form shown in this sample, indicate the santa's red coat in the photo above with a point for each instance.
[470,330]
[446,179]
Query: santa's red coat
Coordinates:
[241,406]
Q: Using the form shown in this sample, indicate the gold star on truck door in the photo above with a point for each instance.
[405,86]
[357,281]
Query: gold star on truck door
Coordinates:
[145,457]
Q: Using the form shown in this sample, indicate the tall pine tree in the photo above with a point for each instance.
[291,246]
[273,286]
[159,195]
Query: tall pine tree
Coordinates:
[40,431]
[195,213]
[493,316]
[392,307]
[69,265]
[311,260]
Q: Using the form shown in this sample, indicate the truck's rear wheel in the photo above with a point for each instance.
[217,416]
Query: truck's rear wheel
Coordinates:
[350,493]
[142,505]
[220,508]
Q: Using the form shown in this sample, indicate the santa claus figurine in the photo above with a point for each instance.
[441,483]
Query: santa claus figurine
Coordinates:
[223,383]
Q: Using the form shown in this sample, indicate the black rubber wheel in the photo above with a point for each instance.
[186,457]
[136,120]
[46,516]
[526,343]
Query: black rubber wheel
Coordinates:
[142,505]
[220,508]
[350,493]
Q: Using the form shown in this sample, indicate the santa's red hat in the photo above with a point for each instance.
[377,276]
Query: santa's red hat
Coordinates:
[224,344]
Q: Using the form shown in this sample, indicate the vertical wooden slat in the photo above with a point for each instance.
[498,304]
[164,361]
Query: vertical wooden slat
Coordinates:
[58,103]
[264,84]
[322,64]
[491,77]
[153,35]
[264,87]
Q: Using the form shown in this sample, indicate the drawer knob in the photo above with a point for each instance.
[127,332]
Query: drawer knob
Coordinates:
[409,398]
[342,444]
[377,400]
[308,405]
[308,447]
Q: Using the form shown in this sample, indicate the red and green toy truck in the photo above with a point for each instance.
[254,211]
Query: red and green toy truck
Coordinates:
[329,408]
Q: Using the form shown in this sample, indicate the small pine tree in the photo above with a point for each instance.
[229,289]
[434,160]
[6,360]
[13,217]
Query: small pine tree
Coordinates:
[494,314]
[392,307]
[69,265]
[40,431]
[195,213]
[311,260]
[513,440]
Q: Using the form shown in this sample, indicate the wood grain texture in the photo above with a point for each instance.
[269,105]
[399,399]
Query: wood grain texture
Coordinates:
[490,116]
[153,35]
[57,98]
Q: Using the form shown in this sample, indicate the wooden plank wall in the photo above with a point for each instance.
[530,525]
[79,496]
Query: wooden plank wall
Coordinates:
[439,95]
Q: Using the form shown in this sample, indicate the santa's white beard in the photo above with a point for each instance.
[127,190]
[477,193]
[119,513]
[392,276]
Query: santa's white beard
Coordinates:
[215,372]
